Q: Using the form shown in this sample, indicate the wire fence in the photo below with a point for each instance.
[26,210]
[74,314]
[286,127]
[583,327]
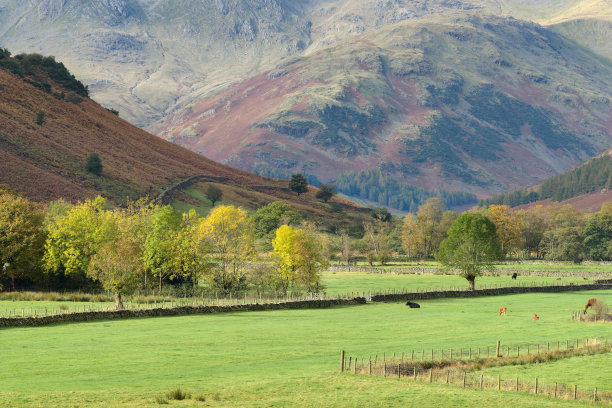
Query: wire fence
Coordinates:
[440,367]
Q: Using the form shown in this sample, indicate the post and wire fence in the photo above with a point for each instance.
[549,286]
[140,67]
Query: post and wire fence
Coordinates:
[463,367]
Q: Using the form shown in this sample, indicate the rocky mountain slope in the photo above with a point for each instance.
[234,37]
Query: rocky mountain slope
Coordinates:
[438,94]
[468,103]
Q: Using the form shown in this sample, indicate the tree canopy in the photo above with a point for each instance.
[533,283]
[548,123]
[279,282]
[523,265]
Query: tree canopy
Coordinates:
[298,184]
[471,247]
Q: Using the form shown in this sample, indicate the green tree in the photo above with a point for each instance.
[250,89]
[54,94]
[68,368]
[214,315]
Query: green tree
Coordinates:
[22,235]
[214,194]
[267,219]
[597,235]
[73,238]
[94,164]
[471,247]
[298,184]
[190,250]
[159,245]
[326,192]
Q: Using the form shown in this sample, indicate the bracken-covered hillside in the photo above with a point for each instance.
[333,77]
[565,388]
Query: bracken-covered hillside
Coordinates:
[44,155]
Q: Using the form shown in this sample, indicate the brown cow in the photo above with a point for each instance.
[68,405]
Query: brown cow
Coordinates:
[536,317]
[590,303]
[502,311]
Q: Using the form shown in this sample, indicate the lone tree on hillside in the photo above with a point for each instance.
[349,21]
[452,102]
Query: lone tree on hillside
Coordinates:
[298,184]
[94,164]
[471,247]
[326,192]
[214,194]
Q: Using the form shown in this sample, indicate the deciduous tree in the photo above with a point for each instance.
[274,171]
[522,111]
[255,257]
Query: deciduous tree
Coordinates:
[229,232]
[472,246]
[299,256]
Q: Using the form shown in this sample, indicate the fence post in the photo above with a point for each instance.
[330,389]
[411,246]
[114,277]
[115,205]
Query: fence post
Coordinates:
[370,365]
[431,375]
[464,379]
[498,382]
[414,372]
[399,370]
[548,347]
[595,395]
[481,377]
[536,385]
[497,349]
[447,374]
[517,386]
[412,356]
[355,365]
[384,369]
[451,354]
[555,390]
[575,390]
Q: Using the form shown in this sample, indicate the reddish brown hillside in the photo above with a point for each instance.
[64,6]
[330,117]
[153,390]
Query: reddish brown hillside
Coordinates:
[47,161]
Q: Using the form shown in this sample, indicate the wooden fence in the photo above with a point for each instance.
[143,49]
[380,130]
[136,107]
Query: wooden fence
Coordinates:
[458,366]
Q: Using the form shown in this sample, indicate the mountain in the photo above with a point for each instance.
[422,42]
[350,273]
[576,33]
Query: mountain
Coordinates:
[439,95]
[586,187]
[47,132]
[480,104]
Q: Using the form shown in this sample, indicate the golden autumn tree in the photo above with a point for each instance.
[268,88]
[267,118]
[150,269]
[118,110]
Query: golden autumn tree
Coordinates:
[229,232]
[508,227]
[300,257]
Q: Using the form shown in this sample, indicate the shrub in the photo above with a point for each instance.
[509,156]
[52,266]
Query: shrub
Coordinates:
[74,98]
[94,164]
[160,399]
[200,398]
[177,394]
[40,118]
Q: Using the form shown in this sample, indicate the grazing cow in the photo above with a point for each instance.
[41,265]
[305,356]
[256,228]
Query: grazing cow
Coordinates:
[514,275]
[413,305]
[590,303]
[536,317]
[502,311]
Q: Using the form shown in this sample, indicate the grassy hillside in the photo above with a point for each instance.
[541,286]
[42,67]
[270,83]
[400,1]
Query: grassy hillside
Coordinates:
[44,154]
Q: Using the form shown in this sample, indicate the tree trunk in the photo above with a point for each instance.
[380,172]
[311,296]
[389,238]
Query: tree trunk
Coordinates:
[118,301]
[472,281]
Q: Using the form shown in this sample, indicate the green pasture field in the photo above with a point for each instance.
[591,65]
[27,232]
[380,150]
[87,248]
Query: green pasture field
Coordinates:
[358,282]
[284,358]
[563,371]
[336,283]
[539,266]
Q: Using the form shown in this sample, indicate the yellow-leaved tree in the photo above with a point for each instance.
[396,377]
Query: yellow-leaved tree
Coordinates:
[229,232]
[300,257]
[508,227]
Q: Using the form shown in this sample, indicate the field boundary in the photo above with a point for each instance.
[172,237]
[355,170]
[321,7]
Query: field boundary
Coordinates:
[508,290]
[460,371]
[421,270]
[174,311]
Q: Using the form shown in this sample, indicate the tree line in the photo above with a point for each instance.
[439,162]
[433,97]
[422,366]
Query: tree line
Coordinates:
[594,175]
[92,245]
[374,185]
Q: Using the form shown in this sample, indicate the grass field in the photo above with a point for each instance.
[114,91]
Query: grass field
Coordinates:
[347,282]
[336,283]
[282,358]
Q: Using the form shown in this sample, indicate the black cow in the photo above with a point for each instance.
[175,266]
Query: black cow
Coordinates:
[413,305]
[514,275]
